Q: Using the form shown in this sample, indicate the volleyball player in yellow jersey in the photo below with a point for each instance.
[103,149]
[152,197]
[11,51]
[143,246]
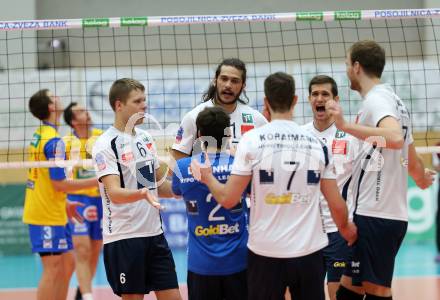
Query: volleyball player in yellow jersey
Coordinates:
[87,236]
[45,204]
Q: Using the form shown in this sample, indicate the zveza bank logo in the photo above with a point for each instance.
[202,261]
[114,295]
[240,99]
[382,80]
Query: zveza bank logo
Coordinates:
[220,229]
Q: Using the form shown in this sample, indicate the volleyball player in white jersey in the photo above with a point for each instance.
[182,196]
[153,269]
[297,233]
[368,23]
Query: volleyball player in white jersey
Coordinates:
[323,88]
[288,167]
[380,170]
[225,91]
[136,255]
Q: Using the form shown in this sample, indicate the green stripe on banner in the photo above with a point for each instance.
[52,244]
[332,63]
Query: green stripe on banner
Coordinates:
[348,15]
[134,21]
[421,212]
[310,16]
[14,235]
[96,22]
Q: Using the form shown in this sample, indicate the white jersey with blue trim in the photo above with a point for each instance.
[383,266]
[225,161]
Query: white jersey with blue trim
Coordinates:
[243,119]
[286,163]
[380,174]
[340,147]
[132,158]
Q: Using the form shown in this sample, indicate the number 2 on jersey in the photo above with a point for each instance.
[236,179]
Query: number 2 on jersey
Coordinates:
[211,216]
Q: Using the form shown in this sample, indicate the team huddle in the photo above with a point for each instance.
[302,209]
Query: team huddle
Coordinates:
[274,208]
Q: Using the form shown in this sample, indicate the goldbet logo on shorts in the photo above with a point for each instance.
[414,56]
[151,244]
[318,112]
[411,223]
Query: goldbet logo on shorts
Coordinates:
[339,264]
[220,229]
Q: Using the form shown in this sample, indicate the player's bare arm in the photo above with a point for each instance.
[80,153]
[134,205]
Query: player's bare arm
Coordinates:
[71,185]
[119,195]
[338,210]
[388,128]
[422,176]
[228,194]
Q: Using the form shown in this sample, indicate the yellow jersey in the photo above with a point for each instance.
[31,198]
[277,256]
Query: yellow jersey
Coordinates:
[79,149]
[43,204]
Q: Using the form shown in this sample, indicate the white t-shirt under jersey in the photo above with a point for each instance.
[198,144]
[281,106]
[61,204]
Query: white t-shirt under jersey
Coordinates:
[243,119]
[340,147]
[132,158]
[380,175]
[286,163]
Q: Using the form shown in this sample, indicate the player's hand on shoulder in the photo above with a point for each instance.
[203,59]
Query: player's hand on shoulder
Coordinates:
[71,211]
[151,198]
[201,171]
[349,232]
[427,180]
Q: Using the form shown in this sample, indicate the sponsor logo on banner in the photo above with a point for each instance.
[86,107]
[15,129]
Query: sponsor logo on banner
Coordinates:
[339,147]
[134,21]
[310,16]
[399,13]
[96,22]
[245,128]
[348,15]
[100,162]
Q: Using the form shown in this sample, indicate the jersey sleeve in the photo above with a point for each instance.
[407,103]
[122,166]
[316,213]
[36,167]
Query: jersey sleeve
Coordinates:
[175,183]
[186,135]
[242,165]
[381,106]
[55,150]
[105,160]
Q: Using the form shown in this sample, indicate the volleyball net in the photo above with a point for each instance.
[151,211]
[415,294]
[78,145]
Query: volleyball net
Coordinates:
[175,58]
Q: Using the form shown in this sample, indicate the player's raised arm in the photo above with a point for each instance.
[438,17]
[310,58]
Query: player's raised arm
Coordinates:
[388,128]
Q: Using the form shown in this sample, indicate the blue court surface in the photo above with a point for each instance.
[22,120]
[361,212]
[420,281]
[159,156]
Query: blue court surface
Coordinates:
[415,269]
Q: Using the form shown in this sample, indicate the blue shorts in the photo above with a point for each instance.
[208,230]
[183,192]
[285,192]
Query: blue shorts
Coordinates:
[54,239]
[375,250]
[335,256]
[92,214]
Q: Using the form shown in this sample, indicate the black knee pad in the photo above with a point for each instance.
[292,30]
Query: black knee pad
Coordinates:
[345,294]
[373,297]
